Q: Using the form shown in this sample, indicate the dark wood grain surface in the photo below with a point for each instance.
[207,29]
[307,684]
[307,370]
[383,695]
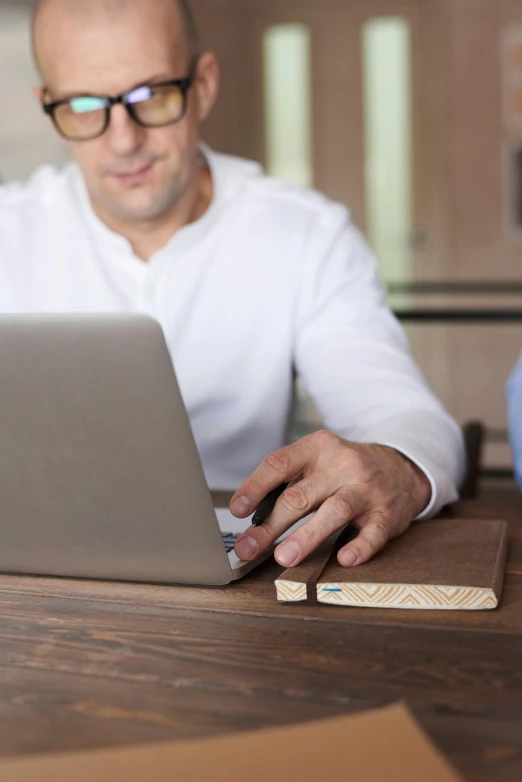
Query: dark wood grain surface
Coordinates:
[90,664]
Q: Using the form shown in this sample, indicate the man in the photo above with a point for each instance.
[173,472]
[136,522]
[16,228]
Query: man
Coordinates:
[250,278]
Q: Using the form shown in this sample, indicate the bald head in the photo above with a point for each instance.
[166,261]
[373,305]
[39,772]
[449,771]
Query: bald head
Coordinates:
[48,13]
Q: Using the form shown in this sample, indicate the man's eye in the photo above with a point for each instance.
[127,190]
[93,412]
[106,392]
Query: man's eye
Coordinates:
[83,105]
[139,95]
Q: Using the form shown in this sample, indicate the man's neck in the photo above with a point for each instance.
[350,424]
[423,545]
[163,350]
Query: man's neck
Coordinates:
[147,237]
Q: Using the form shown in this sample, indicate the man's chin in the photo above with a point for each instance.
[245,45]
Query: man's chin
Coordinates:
[137,209]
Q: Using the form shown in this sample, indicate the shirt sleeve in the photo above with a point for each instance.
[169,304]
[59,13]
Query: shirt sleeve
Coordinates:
[514,399]
[355,362]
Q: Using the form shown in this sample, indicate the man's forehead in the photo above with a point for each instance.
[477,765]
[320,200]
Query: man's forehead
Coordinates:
[52,18]
[99,45]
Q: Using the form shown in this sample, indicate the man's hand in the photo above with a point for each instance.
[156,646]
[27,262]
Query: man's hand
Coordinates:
[374,487]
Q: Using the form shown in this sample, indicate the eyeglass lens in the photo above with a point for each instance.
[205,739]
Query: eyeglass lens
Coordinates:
[81,117]
[86,117]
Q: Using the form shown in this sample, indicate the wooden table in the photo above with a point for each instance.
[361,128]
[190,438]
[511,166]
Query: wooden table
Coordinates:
[85,664]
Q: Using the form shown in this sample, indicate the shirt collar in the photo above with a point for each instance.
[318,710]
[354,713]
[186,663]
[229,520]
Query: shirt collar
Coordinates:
[229,177]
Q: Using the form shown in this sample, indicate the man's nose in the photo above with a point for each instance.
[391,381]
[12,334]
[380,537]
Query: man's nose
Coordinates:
[124,136]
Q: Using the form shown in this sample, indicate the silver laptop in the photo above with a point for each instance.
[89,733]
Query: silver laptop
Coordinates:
[99,472]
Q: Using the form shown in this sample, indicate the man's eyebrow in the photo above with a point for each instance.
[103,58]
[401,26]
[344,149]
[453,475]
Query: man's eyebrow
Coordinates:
[68,95]
[157,79]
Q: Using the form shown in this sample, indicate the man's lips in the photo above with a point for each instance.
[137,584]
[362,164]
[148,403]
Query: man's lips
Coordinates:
[134,176]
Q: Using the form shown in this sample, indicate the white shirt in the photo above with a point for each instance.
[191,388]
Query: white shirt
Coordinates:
[272,278]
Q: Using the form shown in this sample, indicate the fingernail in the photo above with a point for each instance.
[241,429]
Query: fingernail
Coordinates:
[240,506]
[247,548]
[348,558]
[288,554]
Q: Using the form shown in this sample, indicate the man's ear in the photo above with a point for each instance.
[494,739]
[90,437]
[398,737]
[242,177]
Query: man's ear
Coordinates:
[207,84]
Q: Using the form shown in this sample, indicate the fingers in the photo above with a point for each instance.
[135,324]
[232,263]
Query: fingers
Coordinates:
[367,484]
[372,538]
[333,514]
[279,467]
[296,502]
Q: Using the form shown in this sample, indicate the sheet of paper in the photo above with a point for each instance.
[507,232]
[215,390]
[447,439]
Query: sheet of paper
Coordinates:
[380,746]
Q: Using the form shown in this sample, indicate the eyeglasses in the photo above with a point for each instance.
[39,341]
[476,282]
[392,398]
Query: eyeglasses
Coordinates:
[87,117]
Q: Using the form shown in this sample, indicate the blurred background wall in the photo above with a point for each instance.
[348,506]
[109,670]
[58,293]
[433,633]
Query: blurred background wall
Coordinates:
[26,140]
[407,111]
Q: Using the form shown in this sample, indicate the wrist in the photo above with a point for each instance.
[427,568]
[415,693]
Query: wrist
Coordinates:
[421,491]
[420,485]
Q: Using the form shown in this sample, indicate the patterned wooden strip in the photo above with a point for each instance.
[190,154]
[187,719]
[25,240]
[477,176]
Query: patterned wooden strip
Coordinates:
[290,591]
[416,596]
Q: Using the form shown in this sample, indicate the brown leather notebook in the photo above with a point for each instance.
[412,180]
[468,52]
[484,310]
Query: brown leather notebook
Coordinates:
[449,564]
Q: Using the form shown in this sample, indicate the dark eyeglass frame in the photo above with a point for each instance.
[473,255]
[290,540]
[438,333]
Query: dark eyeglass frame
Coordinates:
[110,101]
